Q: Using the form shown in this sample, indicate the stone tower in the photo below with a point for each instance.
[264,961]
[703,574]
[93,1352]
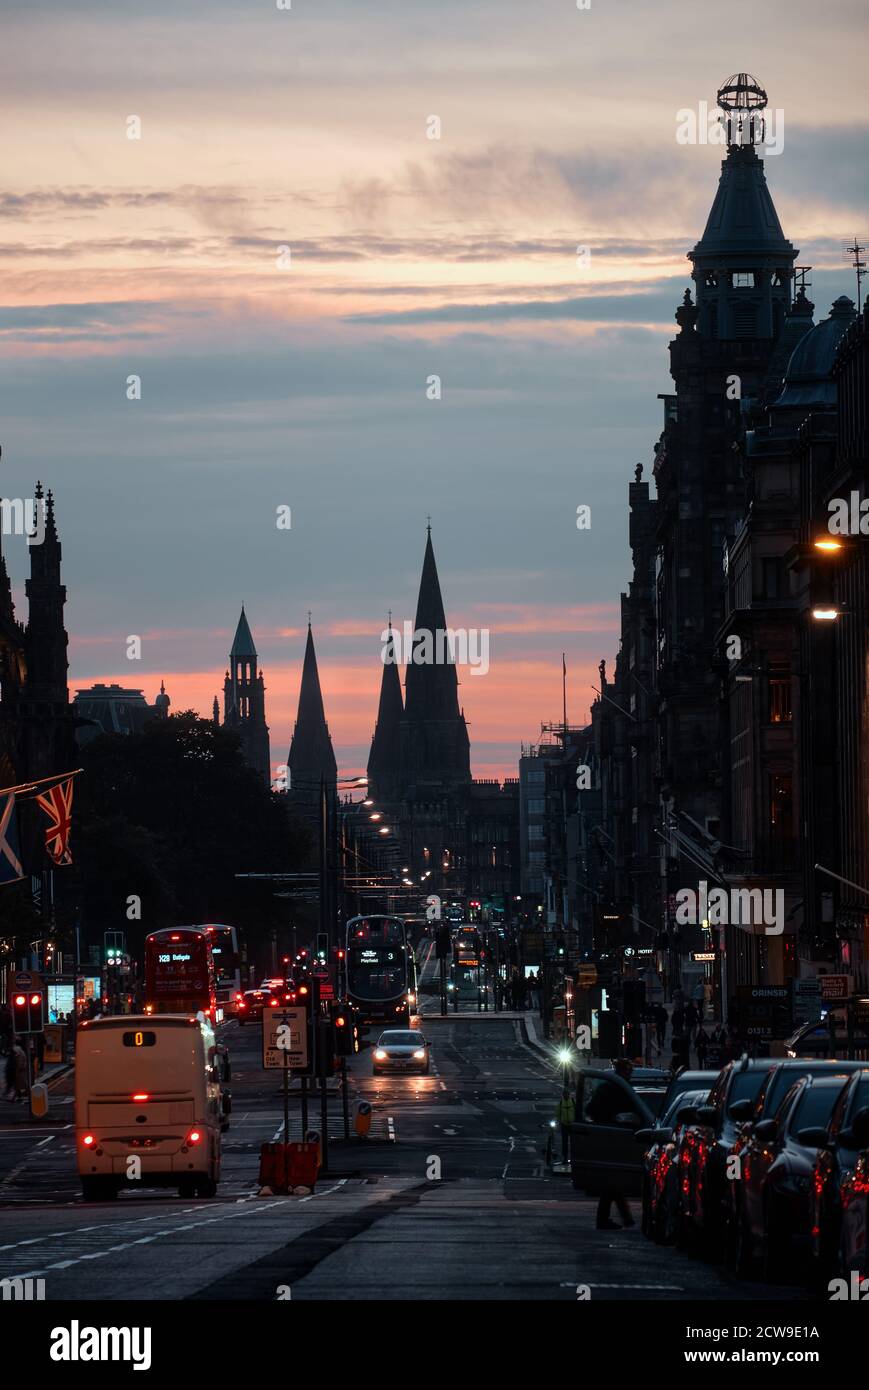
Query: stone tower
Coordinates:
[244,707]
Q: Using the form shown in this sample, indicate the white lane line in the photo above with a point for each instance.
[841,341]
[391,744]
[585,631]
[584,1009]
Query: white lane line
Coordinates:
[45,1141]
[390,1129]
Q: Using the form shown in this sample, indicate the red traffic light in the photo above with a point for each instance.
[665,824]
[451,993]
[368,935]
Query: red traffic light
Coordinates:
[35,999]
[340,1021]
[20,1001]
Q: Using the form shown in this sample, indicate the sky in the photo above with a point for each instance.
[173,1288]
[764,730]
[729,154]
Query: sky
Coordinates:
[285,258]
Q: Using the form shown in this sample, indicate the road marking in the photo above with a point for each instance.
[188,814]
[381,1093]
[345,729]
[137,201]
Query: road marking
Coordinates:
[48,1140]
[390,1129]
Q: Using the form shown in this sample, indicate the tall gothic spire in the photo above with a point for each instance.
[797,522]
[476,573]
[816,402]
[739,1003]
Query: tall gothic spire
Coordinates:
[431,690]
[434,737]
[311,755]
[384,762]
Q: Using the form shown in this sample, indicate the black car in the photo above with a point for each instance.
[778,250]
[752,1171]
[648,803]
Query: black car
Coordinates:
[774,1194]
[661,1168]
[704,1150]
[776,1085]
[840,1186]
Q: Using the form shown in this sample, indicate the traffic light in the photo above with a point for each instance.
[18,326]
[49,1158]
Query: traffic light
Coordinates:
[443,943]
[345,1031]
[27,1010]
[560,948]
[322,945]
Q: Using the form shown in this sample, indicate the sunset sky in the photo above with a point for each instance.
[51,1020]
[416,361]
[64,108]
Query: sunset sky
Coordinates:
[304,385]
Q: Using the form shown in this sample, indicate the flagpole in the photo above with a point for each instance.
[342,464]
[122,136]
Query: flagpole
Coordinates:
[40,782]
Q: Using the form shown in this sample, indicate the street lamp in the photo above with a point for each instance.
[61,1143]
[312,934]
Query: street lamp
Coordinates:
[828,544]
[825,615]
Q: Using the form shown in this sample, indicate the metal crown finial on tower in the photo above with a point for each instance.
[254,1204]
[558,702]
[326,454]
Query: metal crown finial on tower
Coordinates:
[742,99]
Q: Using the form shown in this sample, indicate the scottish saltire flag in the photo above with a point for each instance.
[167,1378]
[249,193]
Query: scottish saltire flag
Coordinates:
[10,861]
[57,805]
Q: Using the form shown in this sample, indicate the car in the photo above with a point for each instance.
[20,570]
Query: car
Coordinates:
[817,1039]
[604,1149]
[660,1169]
[775,1086]
[840,1186]
[250,1006]
[703,1152]
[688,1080]
[774,1190]
[401,1049]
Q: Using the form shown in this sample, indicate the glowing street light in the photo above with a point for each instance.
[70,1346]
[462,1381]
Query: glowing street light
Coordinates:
[827,543]
[825,615]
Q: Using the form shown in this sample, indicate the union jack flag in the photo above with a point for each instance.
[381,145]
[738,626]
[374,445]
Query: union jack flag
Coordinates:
[57,805]
[10,863]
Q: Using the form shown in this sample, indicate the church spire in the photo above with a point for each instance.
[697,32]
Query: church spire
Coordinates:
[244,705]
[384,762]
[311,755]
[434,737]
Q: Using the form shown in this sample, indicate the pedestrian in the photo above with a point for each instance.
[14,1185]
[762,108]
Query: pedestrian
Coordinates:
[698,994]
[565,1114]
[660,1017]
[677,1019]
[690,1018]
[701,1042]
[16,1073]
[681,1048]
[607,1101]
[39,1043]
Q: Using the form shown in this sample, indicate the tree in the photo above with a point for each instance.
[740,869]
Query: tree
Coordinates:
[168,817]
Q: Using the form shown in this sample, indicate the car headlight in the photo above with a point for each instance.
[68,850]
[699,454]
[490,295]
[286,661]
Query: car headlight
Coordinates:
[380,1055]
[420,1054]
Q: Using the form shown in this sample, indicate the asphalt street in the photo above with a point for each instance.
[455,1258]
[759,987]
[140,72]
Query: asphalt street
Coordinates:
[449,1197]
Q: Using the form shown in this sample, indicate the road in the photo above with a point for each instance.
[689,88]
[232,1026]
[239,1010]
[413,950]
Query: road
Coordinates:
[494,1224]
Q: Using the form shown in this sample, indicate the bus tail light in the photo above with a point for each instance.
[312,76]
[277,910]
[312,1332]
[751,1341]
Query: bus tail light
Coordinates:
[88,1140]
[194,1136]
[140,1095]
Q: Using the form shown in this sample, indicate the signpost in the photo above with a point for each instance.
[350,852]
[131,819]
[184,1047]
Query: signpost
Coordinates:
[764,1012]
[285,1045]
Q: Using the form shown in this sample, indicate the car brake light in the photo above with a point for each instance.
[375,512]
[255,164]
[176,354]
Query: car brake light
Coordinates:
[242,1004]
[194,1136]
[238,997]
[88,1140]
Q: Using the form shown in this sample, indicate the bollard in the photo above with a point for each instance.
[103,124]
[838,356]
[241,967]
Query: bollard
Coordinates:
[39,1100]
[362,1120]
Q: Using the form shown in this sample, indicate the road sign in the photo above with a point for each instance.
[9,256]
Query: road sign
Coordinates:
[764,1012]
[285,1038]
[26,979]
[834,987]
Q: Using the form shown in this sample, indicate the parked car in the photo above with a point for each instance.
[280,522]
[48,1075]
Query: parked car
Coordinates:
[840,1186]
[774,1193]
[688,1080]
[703,1153]
[823,1038]
[660,1167]
[776,1085]
[605,1151]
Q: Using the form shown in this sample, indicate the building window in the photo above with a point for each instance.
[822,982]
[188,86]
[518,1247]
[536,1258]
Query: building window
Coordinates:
[743,279]
[536,806]
[779,700]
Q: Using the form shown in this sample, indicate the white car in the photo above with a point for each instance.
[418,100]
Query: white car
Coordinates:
[401,1049]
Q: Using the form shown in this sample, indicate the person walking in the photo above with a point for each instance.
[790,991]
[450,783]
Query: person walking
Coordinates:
[565,1114]
[690,1018]
[698,994]
[660,1017]
[606,1102]
[701,1042]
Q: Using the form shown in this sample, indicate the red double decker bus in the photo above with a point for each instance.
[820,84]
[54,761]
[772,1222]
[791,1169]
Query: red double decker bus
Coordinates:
[179,973]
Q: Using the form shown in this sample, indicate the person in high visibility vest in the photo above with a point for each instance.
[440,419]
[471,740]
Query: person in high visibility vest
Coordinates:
[565,1114]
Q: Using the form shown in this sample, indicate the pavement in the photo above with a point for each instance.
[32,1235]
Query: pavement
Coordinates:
[450,1196]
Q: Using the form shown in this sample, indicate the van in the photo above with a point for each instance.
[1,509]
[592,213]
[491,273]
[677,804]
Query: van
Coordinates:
[148,1104]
